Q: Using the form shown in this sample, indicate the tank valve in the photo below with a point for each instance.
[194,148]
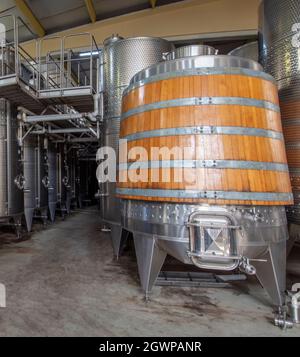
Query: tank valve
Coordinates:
[246,267]
[65,181]
[281,319]
[45,181]
[20,182]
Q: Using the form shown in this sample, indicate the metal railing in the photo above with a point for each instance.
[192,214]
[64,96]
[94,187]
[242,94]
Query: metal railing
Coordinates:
[59,69]
[63,68]
[15,61]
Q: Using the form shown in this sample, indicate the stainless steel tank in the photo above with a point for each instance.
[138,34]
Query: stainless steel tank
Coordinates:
[122,59]
[191,51]
[211,236]
[42,179]
[11,168]
[51,153]
[63,181]
[279,47]
[30,189]
[73,169]
[249,50]
[36,180]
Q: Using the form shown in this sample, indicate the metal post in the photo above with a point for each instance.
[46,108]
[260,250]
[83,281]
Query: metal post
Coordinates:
[91,63]
[16,45]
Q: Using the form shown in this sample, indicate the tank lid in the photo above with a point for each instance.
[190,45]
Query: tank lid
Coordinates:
[112,39]
[191,51]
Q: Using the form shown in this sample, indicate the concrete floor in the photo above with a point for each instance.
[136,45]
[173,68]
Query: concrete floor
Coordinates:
[63,281]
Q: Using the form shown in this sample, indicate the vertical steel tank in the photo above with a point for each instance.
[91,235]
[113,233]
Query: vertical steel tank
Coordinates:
[73,168]
[122,58]
[279,44]
[51,153]
[30,189]
[36,179]
[63,180]
[42,179]
[11,168]
[228,209]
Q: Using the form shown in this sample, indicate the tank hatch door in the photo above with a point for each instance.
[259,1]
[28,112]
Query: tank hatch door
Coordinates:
[212,241]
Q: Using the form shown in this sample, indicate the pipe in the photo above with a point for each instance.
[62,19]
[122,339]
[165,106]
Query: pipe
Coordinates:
[78,140]
[96,114]
[68,130]
[39,132]
[24,110]
[87,159]
[52,117]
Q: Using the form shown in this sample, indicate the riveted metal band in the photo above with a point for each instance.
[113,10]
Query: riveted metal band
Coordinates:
[200,72]
[196,101]
[215,195]
[205,130]
[209,164]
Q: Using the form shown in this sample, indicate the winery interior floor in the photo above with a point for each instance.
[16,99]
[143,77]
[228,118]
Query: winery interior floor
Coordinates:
[63,281]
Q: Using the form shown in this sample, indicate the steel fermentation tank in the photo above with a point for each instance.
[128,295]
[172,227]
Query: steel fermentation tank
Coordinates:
[74,177]
[11,173]
[36,180]
[279,54]
[51,151]
[42,179]
[201,226]
[30,189]
[63,180]
[122,58]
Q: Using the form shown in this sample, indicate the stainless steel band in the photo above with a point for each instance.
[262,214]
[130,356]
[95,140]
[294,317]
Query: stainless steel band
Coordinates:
[213,164]
[196,101]
[200,72]
[215,195]
[205,130]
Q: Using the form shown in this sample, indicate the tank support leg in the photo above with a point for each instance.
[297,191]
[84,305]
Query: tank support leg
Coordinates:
[68,204]
[44,216]
[52,208]
[29,218]
[79,202]
[150,259]
[18,226]
[123,243]
[294,234]
[118,237]
[272,273]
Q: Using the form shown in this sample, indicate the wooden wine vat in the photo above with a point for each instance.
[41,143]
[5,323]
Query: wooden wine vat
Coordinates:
[203,172]
[229,124]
